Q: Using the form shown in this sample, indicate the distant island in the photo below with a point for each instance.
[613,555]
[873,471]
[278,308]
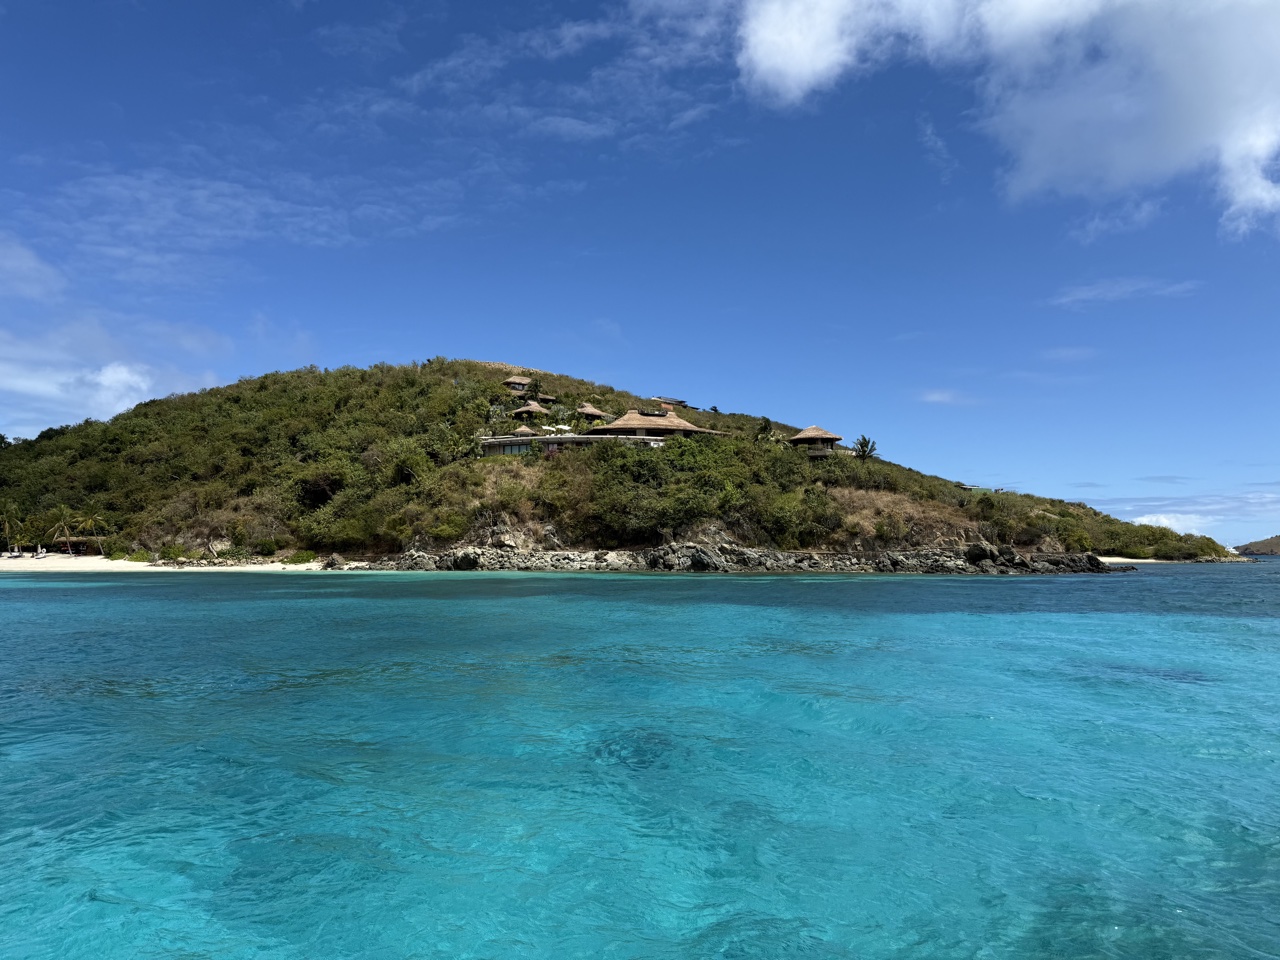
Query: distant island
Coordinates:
[449,454]
[1261,548]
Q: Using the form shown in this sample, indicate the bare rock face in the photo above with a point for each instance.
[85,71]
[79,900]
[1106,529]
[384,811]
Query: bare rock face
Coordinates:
[977,553]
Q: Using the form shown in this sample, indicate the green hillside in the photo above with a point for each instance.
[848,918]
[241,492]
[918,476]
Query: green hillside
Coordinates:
[373,460]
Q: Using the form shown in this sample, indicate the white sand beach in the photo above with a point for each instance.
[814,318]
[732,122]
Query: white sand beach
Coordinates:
[1126,560]
[61,563]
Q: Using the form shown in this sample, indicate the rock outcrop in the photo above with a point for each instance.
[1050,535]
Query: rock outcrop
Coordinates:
[977,558]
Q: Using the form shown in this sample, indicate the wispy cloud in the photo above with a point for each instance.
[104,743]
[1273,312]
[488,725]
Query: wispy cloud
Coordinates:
[158,226]
[945,397]
[1166,478]
[1129,217]
[1068,354]
[372,42]
[25,274]
[1121,288]
[936,148]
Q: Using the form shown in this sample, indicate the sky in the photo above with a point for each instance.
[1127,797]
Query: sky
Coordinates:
[1031,244]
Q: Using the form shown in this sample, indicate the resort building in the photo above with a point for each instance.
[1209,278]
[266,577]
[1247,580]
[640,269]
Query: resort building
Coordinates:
[522,441]
[815,440]
[633,423]
[519,386]
[671,403]
[592,413]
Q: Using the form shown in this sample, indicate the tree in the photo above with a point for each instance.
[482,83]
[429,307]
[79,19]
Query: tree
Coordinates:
[864,448]
[64,519]
[92,524]
[5,441]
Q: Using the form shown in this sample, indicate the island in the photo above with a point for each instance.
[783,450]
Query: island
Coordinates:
[1269,547]
[460,464]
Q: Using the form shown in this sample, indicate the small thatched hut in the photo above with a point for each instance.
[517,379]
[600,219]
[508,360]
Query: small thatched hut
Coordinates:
[592,413]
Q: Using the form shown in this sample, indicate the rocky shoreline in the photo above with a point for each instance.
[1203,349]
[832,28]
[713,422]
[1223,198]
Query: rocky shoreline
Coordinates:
[976,559]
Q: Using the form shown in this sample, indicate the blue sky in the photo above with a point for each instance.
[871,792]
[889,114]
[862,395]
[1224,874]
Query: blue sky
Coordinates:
[1024,243]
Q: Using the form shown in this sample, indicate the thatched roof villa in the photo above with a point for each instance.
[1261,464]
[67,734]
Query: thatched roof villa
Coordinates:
[531,409]
[818,442]
[592,413]
[633,423]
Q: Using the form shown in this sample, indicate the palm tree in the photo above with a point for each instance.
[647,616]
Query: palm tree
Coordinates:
[63,519]
[10,522]
[92,523]
[18,534]
[864,448]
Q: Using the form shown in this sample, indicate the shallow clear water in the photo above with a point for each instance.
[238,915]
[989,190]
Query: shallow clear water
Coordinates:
[499,766]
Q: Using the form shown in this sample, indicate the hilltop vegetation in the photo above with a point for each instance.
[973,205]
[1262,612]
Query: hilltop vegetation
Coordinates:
[373,460]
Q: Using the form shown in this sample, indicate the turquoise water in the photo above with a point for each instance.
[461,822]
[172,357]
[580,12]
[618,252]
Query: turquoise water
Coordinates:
[501,766]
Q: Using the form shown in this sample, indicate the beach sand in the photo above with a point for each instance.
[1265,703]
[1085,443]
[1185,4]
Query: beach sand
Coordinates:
[61,563]
[1126,560]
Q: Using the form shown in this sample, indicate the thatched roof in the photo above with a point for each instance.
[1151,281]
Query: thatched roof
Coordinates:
[814,434]
[517,381]
[533,406]
[595,413]
[665,422]
[525,432]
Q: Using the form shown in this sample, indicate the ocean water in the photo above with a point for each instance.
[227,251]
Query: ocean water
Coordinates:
[525,766]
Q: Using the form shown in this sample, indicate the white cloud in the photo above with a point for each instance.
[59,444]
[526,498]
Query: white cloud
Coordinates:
[24,274]
[1121,288]
[54,373]
[1230,518]
[1089,97]
[1178,522]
